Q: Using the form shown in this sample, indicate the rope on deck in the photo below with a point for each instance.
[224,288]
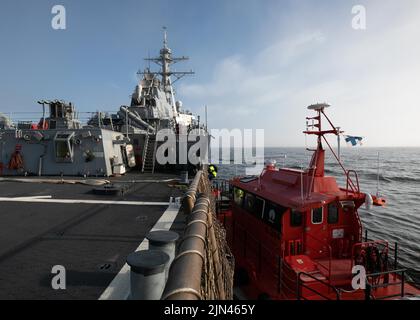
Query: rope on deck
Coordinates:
[211,276]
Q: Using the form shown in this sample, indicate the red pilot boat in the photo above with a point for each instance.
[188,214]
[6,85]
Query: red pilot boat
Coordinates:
[296,234]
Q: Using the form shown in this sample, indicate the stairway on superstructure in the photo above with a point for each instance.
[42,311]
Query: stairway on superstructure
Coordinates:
[149,154]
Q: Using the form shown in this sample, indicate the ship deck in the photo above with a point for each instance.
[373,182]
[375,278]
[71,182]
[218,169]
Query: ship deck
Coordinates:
[47,224]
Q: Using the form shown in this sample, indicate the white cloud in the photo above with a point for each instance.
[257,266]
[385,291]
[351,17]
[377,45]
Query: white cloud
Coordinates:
[371,77]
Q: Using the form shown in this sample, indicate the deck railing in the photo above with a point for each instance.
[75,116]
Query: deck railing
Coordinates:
[301,284]
[373,243]
[371,285]
[329,253]
[349,182]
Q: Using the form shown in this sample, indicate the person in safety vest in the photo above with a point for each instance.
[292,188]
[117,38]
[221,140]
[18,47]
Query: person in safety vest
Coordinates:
[212,172]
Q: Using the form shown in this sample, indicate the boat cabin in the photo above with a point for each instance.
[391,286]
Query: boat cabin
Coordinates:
[297,234]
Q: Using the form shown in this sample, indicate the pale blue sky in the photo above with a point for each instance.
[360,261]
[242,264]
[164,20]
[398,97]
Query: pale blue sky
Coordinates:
[258,63]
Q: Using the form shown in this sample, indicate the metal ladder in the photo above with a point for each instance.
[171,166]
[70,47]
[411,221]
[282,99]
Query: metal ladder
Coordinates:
[149,154]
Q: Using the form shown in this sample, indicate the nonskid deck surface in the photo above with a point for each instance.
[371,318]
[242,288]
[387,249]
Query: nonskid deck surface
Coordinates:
[90,239]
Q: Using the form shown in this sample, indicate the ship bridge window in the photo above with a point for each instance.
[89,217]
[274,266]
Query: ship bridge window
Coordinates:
[249,202]
[259,207]
[254,205]
[317,215]
[272,215]
[332,213]
[296,218]
[238,196]
[348,206]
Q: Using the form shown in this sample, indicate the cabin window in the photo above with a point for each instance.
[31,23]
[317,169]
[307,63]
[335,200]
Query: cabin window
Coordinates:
[259,207]
[273,214]
[332,213]
[317,215]
[254,205]
[296,218]
[238,196]
[249,202]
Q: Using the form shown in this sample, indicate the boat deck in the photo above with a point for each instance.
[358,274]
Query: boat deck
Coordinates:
[48,224]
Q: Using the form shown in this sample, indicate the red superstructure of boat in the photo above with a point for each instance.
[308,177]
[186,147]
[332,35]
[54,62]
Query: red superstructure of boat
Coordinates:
[296,234]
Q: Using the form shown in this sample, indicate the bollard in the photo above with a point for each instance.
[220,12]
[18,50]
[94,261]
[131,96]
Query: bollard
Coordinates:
[147,276]
[164,241]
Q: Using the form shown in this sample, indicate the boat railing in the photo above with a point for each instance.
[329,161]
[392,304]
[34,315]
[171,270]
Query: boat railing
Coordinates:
[359,222]
[286,278]
[22,117]
[391,248]
[301,284]
[372,283]
[372,243]
[222,196]
[355,188]
[329,253]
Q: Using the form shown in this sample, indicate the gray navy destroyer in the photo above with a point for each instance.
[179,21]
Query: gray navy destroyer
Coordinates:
[109,144]
[84,194]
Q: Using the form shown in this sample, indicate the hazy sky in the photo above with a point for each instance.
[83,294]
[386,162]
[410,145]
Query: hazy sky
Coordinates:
[258,63]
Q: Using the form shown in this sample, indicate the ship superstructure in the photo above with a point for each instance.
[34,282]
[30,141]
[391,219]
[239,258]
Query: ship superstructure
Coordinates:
[59,145]
[153,107]
[110,143]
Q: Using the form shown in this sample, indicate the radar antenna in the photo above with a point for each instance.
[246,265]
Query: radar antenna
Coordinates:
[165,60]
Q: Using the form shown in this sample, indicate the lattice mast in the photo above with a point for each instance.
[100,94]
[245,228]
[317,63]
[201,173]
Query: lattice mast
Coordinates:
[165,60]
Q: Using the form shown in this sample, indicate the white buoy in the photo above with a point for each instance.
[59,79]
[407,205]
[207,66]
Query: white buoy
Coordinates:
[368,201]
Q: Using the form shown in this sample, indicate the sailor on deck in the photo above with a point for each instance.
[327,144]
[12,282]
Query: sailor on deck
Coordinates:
[212,172]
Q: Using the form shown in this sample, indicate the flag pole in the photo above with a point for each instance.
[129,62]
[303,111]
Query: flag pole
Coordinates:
[377,179]
[338,143]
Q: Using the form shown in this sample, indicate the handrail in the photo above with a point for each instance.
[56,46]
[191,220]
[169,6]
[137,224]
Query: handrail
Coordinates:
[329,253]
[360,244]
[283,277]
[359,221]
[369,243]
[349,182]
[301,284]
[370,286]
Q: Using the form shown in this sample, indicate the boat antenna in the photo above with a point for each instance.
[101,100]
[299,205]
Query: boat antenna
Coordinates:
[301,184]
[205,110]
[316,167]
[377,179]
[338,144]
[165,38]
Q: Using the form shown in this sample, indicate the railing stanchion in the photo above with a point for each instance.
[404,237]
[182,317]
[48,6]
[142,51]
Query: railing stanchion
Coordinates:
[396,255]
[367,290]
[298,287]
[402,283]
